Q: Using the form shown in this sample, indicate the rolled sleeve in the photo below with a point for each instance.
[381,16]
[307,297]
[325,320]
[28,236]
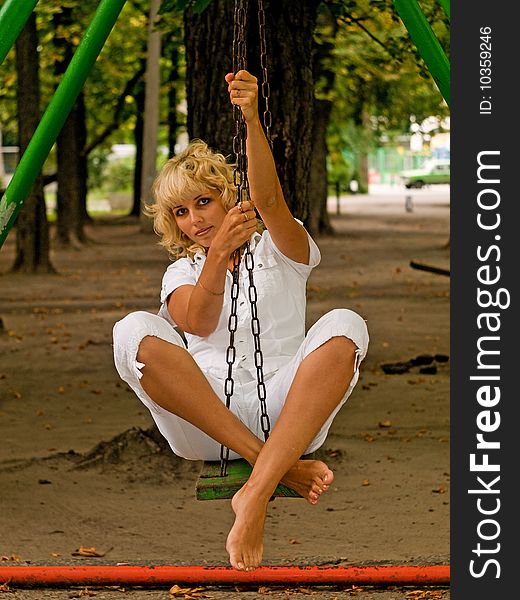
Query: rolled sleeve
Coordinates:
[181,272]
[302,269]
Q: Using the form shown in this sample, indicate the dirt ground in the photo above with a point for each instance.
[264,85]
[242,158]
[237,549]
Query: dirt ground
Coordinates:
[60,397]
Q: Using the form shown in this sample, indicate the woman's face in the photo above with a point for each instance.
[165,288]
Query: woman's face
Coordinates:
[200,216]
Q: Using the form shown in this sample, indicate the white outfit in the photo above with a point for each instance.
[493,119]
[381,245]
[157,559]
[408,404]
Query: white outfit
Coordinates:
[280,284]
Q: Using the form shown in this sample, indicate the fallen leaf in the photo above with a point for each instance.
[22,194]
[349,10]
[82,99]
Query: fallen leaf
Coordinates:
[89,551]
[425,594]
[333,453]
[365,482]
[385,423]
[187,593]
[304,590]
[87,592]
[12,557]
[5,587]
[293,541]
[440,490]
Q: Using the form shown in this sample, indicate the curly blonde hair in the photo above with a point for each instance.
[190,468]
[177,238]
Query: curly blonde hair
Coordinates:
[191,172]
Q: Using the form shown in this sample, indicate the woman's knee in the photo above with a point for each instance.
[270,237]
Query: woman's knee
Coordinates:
[341,350]
[348,323]
[134,323]
[149,348]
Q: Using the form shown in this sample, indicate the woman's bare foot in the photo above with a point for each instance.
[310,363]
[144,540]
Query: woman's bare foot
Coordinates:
[310,478]
[245,540]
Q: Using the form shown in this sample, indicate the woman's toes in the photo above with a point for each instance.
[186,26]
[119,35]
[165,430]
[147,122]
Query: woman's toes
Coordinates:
[317,489]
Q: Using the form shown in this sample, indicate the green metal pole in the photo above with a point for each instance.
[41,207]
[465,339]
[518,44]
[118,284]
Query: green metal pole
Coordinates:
[13,16]
[57,113]
[427,44]
[446,6]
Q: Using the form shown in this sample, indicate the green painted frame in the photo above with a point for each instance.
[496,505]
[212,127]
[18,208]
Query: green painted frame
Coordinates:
[427,43]
[57,112]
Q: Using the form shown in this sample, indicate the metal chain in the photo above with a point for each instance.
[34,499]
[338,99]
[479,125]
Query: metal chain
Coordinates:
[229,383]
[266,88]
[265,424]
[241,182]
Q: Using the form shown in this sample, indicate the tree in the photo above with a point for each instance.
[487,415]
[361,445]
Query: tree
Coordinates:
[151,109]
[208,41]
[318,221]
[32,230]
[380,78]
[70,144]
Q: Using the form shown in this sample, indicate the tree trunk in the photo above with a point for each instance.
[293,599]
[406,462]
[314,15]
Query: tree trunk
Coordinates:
[81,125]
[71,197]
[151,111]
[172,50]
[318,221]
[289,33]
[32,228]
[138,163]
[70,211]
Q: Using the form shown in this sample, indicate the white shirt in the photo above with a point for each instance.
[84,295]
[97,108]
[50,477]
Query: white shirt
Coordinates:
[281,301]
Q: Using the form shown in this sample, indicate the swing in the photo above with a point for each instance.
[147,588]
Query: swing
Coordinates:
[221,480]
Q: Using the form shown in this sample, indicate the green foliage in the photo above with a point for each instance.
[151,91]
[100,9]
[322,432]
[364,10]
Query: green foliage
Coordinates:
[118,175]
[179,6]
[369,70]
[379,79]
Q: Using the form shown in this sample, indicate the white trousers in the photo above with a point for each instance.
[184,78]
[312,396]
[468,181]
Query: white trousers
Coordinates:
[186,440]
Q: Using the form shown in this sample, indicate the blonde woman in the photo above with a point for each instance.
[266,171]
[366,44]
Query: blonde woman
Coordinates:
[308,377]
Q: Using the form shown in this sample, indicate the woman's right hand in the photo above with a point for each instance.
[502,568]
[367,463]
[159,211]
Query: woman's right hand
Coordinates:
[237,228]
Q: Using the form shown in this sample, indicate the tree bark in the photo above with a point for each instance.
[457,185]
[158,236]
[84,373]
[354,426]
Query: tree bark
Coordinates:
[151,112]
[70,145]
[83,157]
[172,51]
[138,163]
[32,228]
[289,32]
[69,229]
[318,222]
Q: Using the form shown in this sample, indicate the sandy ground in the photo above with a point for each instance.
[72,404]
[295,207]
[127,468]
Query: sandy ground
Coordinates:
[60,396]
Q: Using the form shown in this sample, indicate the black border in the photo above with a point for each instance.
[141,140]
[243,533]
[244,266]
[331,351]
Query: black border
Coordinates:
[471,133]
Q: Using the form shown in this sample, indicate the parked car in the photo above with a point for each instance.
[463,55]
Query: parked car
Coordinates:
[433,171]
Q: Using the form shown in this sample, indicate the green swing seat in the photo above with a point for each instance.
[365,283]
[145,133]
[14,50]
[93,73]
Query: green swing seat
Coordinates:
[211,486]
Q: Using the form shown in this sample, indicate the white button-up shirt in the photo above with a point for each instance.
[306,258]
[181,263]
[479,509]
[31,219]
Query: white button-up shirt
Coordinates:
[281,300]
